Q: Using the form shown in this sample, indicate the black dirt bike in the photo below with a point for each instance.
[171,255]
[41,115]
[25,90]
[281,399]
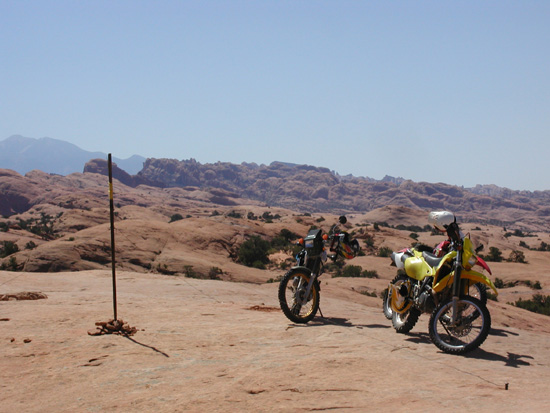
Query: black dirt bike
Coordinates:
[299,289]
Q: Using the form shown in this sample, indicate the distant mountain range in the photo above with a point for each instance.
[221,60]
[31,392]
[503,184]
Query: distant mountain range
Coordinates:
[297,187]
[54,156]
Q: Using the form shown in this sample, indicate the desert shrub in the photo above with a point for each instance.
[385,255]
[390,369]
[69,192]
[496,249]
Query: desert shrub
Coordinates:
[517,256]
[499,283]
[369,241]
[275,280]
[268,217]
[543,246]
[8,248]
[253,252]
[414,235]
[494,255]
[538,304]
[413,228]
[351,271]
[251,216]
[536,286]
[214,273]
[384,252]
[176,217]
[518,233]
[282,240]
[355,271]
[491,295]
[234,214]
[30,245]
[11,265]
[4,227]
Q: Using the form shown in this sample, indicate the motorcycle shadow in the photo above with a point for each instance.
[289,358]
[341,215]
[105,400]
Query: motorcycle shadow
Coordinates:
[501,333]
[418,338]
[342,322]
[510,360]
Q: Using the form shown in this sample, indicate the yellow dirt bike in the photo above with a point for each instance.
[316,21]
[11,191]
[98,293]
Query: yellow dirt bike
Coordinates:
[446,288]
[299,289]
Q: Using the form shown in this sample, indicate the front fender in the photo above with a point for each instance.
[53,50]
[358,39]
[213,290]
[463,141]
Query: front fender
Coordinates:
[307,271]
[473,276]
[300,268]
[478,277]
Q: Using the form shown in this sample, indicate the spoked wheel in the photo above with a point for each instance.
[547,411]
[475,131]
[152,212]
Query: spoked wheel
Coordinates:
[292,297]
[472,325]
[386,296]
[478,291]
[386,303]
[403,323]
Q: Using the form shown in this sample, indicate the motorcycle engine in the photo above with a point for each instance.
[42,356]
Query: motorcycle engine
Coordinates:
[425,302]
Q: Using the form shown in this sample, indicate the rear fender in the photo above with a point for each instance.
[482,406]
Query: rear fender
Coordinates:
[399,305]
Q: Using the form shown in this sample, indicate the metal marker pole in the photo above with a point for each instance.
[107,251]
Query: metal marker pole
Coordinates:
[112,208]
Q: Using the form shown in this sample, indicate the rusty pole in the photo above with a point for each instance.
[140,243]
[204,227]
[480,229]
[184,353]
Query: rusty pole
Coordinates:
[112,208]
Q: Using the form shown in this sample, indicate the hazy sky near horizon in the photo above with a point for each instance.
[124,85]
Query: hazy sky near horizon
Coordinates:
[437,91]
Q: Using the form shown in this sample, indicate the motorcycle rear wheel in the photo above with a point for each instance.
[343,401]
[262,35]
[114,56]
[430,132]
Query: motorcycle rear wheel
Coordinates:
[386,303]
[474,324]
[403,323]
[386,296]
[291,290]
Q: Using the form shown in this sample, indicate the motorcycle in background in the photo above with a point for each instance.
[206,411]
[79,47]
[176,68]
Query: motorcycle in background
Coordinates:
[299,289]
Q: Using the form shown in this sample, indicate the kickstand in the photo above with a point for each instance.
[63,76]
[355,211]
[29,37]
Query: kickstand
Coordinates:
[322,316]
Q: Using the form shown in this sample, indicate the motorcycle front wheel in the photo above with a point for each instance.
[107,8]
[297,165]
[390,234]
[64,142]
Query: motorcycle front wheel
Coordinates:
[292,290]
[478,291]
[468,333]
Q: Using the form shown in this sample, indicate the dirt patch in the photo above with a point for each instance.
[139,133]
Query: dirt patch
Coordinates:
[264,308]
[23,296]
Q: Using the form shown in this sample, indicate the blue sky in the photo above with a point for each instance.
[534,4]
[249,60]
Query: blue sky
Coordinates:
[437,91]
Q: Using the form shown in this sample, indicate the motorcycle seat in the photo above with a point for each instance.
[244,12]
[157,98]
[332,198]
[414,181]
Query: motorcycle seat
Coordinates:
[431,259]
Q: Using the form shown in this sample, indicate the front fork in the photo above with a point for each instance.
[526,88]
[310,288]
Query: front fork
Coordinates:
[456,287]
[304,299]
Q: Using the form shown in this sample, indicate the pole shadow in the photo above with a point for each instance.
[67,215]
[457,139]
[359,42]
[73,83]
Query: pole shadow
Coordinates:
[145,345]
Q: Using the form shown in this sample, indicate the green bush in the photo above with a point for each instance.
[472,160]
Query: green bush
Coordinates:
[385,252]
[517,256]
[176,217]
[10,266]
[253,252]
[494,255]
[214,273]
[538,304]
[234,214]
[8,248]
[355,271]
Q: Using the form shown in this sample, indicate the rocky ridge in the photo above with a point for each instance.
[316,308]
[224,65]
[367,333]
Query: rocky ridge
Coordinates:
[317,189]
